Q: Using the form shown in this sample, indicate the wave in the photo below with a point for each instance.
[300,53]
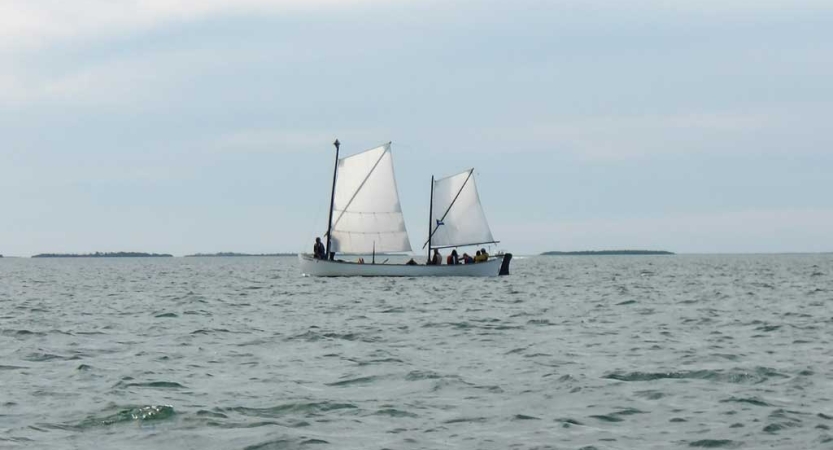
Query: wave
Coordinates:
[354,381]
[752,401]
[617,416]
[42,357]
[466,420]
[311,408]
[417,375]
[714,443]
[393,412]
[285,443]
[524,417]
[22,333]
[314,336]
[144,413]
[735,376]
[151,384]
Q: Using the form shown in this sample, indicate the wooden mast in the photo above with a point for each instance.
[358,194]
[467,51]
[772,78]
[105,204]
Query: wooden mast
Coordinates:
[430,217]
[332,201]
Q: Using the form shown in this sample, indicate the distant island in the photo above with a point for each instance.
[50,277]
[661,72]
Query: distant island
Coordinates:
[609,252]
[203,255]
[104,255]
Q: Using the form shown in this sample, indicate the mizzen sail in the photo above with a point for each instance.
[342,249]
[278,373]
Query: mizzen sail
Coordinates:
[367,215]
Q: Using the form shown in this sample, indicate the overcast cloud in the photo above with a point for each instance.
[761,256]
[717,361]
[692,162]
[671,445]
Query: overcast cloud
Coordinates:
[203,126]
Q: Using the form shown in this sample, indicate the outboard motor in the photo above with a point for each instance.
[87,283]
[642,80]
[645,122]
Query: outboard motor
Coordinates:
[504,266]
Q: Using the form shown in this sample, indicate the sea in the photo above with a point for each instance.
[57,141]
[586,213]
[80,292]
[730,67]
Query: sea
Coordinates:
[567,352]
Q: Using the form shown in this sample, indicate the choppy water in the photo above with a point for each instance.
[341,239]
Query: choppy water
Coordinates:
[567,353]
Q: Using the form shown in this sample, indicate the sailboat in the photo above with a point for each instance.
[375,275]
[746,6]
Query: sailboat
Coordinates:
[366,218]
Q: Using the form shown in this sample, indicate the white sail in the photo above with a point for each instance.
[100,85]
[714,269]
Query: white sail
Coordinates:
[366,211]
[457,215]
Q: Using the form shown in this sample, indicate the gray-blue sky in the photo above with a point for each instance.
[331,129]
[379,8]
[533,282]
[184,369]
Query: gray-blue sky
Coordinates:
[206,126]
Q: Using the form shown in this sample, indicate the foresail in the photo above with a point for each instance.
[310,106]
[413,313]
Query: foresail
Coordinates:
[367,215]
[458,217]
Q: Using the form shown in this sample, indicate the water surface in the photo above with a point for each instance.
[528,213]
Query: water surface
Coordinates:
[616,352]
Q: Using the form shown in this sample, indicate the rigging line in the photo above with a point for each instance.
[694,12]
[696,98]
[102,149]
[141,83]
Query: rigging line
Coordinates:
[471,171]
[387,149]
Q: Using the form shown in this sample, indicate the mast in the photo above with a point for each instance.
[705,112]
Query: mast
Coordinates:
[430,217]
[332,200]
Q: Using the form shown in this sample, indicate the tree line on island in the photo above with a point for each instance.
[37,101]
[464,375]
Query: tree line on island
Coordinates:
[104,255]
[609,252]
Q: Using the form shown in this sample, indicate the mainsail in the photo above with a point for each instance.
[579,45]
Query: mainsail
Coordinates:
[367,216]
[458,217]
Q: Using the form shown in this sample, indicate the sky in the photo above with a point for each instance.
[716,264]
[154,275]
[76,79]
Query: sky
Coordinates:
[206,126]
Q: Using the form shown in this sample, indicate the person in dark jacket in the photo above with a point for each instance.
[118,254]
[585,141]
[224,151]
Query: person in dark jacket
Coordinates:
[437,259]
[318,250]
[453,259]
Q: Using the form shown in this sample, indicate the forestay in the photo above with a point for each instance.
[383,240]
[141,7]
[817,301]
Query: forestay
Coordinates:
[458,217]
[367,215]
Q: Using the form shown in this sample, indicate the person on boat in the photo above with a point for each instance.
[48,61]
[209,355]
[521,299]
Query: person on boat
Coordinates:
[318,250]
[481,256]
[361,261]
[437,259]
[467,259]
[453,259]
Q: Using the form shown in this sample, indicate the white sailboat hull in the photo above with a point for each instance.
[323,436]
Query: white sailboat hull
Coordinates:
[322,268]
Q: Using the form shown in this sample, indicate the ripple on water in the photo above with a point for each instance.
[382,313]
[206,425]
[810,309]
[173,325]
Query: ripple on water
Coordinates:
[303,408]
[45,357]
[22,333]
[524,417]
[751,401]
[393,412]
[714,443]
[416,375]
[617,416]
[129,414]
[650,394]
[151,384]
[286,443]
[354,381]
[734,376]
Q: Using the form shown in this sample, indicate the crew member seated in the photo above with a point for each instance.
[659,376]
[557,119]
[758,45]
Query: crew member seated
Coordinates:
[318,250]
[481,256]
[437,259]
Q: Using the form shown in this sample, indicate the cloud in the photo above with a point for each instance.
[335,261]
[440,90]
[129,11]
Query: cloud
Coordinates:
[28,25]
[31,24]
[625,137]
